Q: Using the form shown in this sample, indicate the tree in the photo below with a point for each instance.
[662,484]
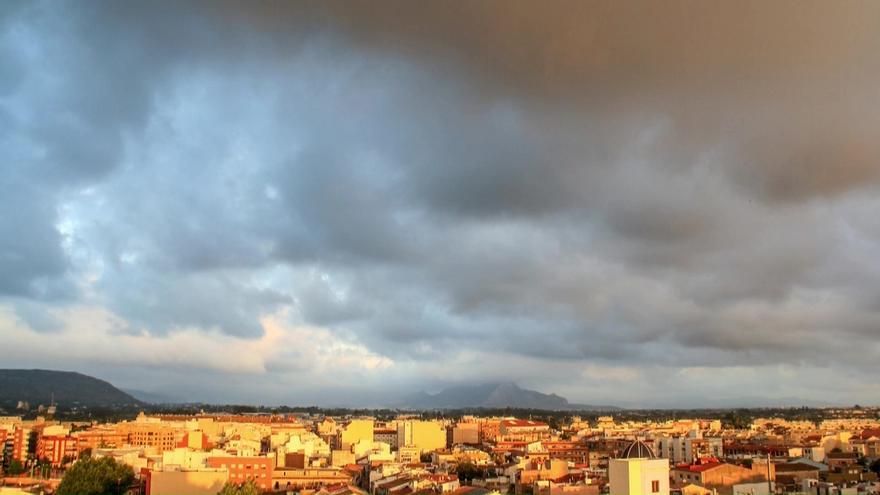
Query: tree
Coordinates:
[467,471]
[32,445]
[15,468]
[96,477]
[247,488]
[875,466]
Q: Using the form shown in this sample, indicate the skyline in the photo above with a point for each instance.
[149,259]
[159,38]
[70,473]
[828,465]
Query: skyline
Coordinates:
[617,202]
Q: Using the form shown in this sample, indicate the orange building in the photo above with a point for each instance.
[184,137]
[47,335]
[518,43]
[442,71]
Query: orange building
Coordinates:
[99,437]
[490,429]
[575,452]
[20,438]
[242,469]
[55,448]
[523,430]
[156,435]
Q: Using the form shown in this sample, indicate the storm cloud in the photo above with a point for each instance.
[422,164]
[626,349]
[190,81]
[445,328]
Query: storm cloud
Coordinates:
[567,195]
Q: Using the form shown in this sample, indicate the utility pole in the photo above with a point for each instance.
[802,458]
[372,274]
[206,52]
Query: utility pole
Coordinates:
[769,483]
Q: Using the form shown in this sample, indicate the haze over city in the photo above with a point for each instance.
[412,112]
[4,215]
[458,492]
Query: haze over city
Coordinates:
[642,204]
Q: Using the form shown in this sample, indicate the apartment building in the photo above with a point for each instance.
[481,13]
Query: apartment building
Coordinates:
[242,469]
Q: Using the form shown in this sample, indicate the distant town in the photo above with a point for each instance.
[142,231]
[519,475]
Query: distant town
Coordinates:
[240,450]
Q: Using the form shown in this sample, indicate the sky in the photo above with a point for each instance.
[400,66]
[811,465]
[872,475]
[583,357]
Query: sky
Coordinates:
[337,203]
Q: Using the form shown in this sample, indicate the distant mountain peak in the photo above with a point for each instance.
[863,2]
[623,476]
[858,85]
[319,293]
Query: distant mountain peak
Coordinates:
[492,395]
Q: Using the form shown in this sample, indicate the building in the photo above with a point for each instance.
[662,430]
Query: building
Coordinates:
[201,482]
[293,479]
[427,436]
[242,469]
[355,431]
[20,443]
[385,435]
[523,430]
[714,473]
[153,434]
[466,433]
[57,449]
[792,474]
[489,430]
[99,438]
[574,452]
[687,449]
[637,471]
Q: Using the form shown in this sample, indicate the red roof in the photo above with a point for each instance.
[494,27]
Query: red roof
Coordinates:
[870,432]
[704,465]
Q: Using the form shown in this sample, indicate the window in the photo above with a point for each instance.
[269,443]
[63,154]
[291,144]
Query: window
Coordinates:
[655,486]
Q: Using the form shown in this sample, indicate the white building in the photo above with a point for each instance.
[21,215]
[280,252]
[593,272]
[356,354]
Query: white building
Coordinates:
[638,472]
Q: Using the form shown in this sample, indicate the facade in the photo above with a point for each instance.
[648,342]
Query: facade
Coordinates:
[690,448]
[57,449]
[466,433]
[154,435]
[99,438]
[425,435]
[574,452]
[638,472]
[715,473]
[190,482]
[242,469]
[291,479]
[523,430]
[355,431]
[20,439]
[385,435]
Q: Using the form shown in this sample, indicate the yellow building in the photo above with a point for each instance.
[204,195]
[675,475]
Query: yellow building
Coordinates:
[427,436]
[356,431]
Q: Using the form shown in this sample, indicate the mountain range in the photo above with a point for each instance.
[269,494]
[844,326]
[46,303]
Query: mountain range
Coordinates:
[494,396]
[69,389]
[65,388]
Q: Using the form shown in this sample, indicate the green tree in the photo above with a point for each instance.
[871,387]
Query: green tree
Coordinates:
[32,445]
[875,466]
[467,471]
[15,468]
[247,488]
[96,477]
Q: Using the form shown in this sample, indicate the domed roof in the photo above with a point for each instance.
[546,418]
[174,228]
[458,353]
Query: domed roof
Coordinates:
[637,450]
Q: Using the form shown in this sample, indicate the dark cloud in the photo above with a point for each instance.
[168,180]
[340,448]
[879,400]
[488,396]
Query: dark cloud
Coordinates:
[687,184]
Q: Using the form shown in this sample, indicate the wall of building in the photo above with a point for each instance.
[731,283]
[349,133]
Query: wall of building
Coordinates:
[355,431]
[426,435]
[189,482]
[638,476]
[466,433]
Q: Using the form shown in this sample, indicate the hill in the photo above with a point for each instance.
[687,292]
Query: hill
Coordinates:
[68,388]
[494,395]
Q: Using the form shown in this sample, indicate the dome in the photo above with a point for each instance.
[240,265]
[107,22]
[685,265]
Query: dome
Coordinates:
[637,450]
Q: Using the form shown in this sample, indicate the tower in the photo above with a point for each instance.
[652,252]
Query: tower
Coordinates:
[637,471]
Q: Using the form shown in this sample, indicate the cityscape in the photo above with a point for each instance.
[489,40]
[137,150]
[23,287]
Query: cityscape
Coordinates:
[167,449]
[439,247]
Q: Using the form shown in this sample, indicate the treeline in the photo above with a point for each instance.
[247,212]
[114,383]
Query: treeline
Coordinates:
[731,418]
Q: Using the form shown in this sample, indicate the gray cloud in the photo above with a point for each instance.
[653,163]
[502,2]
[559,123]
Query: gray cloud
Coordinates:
[593,183]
